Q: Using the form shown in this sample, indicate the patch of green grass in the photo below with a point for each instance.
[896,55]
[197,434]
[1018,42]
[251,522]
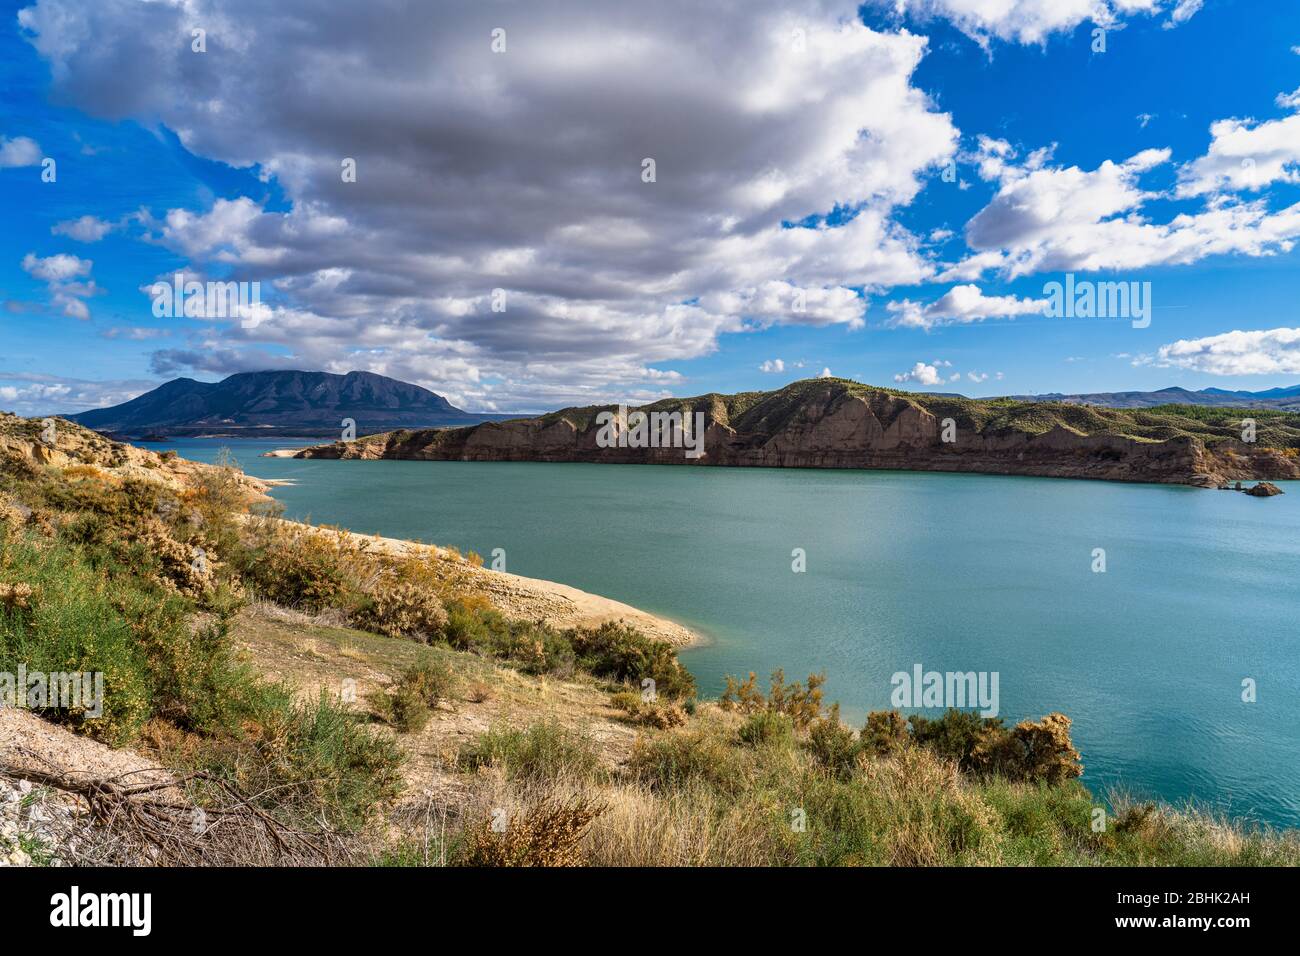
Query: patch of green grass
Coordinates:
[768,728]
[308,761]
[681,760]
[77,621]
[544,752]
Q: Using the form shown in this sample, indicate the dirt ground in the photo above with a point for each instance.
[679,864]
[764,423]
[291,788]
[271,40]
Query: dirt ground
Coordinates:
[316,656]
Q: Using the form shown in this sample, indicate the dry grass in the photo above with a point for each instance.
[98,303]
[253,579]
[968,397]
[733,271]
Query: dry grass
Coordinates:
[938,818]
[549,833]
[692,828]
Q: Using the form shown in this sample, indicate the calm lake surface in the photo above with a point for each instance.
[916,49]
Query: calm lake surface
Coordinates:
[953,572]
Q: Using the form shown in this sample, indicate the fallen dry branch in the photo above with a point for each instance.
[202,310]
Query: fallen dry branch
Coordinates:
[160,823]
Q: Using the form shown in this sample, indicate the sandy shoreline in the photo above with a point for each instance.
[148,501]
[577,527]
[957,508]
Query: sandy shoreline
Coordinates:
[533,599]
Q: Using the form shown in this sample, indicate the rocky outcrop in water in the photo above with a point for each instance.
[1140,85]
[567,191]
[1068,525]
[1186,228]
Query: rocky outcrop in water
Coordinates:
[1265,489]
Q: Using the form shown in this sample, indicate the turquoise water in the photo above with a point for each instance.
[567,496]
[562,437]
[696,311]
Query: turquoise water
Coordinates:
[954,572]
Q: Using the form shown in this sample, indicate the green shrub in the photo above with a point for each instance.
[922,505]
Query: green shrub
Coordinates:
[309,761]
[1035,751]
[676,761]
[661,714]
[106,589]
[70,624]
[409,703]
[927,815]
[403,708]
[801,704]
[626,700]
[742,696]
[544,752]
[533,648]
[433,681]
[957,735]
[402,610]
[885,732]
[833,745]
[1044,825]
[300,569]
[768,728]
[471,628]
[623,654]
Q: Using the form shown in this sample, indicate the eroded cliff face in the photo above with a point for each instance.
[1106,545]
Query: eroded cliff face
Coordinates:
[832,427]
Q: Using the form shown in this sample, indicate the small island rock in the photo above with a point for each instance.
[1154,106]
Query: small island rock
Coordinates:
[1265,489]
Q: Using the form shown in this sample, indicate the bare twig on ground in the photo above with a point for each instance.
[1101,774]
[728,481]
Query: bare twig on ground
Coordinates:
[160,823]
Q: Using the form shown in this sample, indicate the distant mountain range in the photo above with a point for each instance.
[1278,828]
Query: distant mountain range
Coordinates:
[314,404]
[278,404]
[1286,399]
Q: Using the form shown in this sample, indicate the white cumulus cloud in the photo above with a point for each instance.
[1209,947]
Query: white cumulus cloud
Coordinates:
[960,305]
[921,374]
[19,151]
[1268,352]
[1247,155]
[84,229]
[1184,11]
[1033,21]
[1056,219]
[62,274]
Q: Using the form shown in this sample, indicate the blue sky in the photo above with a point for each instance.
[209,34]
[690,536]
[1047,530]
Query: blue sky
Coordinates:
[820,171]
